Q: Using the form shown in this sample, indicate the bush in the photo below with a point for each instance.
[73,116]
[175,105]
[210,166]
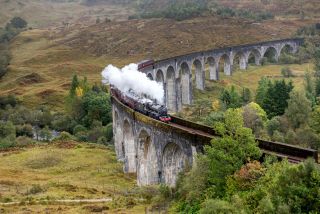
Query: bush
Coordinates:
[35,189]
[7,130]
[214,117]
[24,130]
[8,100]
[102,140]
[23,141]
[82,136]
[6,143]
[64,136]
[286,72]
[94,134]
[216,206]
[79,128]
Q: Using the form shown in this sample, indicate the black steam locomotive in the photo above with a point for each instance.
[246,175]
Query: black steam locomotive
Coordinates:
[142,105]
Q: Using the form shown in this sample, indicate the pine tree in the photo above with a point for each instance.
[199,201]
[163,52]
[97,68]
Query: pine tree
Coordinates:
[276,99]
[74,86]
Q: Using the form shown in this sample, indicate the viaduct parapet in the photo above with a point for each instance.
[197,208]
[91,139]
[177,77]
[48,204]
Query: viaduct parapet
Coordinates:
[177,73]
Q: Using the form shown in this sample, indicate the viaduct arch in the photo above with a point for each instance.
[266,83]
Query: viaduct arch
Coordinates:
[182,73]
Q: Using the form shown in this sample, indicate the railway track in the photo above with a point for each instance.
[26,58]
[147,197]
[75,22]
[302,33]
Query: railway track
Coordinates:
[203,135]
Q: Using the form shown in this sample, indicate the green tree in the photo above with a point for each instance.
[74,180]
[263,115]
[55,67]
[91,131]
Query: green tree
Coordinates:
[316,57]
[315,120]
[45,134]
[254,118]
[309,88]
[228,153]
[230,98]
[97,106]
[299,109]
[246,96]
[317,87]
[273,125]
[275,101]
[74,85]
[262,90]
[225,155]
[7,130]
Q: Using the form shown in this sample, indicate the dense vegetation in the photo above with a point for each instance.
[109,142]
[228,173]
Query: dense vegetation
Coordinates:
[228,178]
[6,34]
[87,118]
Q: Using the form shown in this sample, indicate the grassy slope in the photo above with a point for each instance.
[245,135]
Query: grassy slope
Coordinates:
[63,171]
[283,9]
[47,13]
[56,54]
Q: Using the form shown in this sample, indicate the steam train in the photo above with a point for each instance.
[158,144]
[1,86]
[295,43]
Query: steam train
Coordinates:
[143,105]
[145,63]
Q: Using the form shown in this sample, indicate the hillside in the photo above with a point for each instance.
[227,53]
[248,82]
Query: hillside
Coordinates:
[284,9]
[65,171]
[48,13]
[43,61]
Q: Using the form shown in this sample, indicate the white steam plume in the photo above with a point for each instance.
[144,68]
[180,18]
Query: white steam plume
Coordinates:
[130,78]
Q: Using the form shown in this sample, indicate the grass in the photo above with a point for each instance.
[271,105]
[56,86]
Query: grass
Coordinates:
[64,171]
[44,13]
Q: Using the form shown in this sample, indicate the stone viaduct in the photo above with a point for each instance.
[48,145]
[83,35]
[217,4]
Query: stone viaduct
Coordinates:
[158,151]
[177,73]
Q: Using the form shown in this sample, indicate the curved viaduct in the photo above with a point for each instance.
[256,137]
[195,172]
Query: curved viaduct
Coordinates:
[158,151]
[177,73]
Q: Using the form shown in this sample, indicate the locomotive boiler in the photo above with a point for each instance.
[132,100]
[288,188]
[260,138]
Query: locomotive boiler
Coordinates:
[142,104]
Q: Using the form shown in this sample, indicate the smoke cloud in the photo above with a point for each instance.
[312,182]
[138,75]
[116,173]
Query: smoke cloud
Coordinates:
[129,77]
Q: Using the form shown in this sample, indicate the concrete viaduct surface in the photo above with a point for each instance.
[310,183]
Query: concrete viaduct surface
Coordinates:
[177,73]
[158,151]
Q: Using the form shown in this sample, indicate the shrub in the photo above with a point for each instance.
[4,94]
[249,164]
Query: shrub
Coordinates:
[102,140]
[64,136]
[6,143]
[286,72]
[7,130]
[109,132]
[35,189]
[82,136]
[22,141]
[8,100]
[24,130]
[79,128]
